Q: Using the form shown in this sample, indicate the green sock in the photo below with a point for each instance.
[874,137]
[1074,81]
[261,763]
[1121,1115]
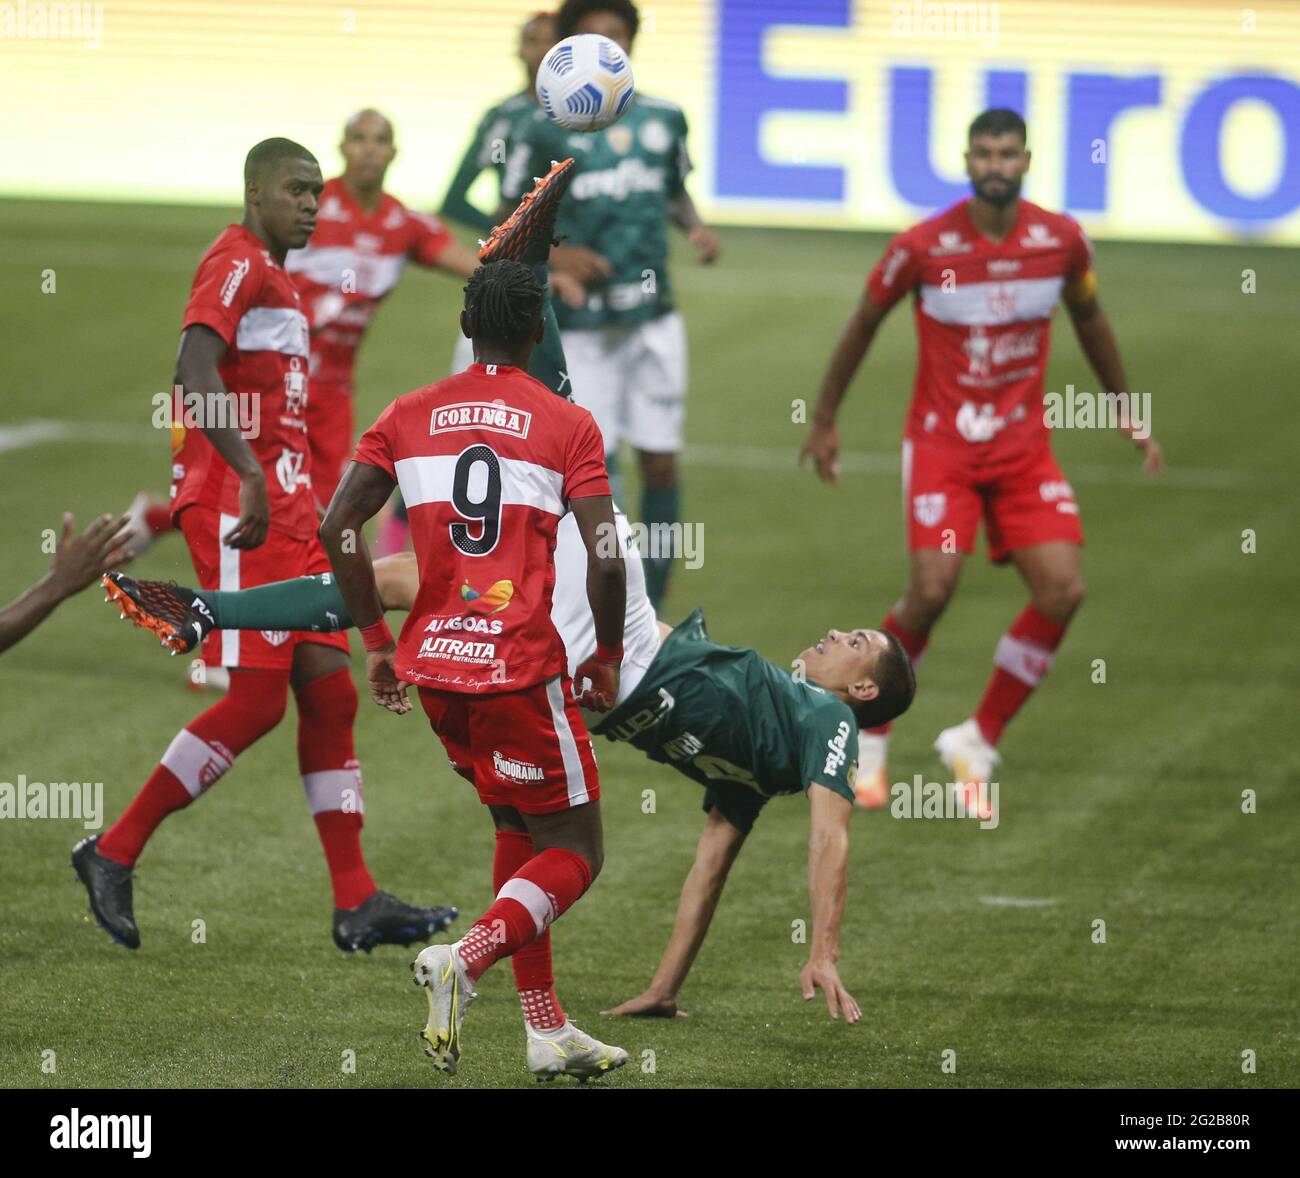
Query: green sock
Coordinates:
[304,603]
[548,363]
[658,506]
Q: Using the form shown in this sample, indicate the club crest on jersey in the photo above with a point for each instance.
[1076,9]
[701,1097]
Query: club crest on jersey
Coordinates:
[929,509]
[487,415]
[275,637]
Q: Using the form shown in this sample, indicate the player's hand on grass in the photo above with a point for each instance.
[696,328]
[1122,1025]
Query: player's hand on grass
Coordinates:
[386,689]
[78,562]
[822,975]
[567,288]
[587,266]
[707,243]
[254,513]
[1153,460]
[646,1005]
[823,446]
[595,684]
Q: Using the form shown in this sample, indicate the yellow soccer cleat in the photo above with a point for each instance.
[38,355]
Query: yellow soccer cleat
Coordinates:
[440,970]
[570,1052]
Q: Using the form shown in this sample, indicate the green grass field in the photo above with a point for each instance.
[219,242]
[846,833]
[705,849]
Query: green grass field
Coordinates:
[1120,802]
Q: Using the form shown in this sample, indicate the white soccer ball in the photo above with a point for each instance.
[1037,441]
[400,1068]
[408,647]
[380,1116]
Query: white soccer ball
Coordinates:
[585,82]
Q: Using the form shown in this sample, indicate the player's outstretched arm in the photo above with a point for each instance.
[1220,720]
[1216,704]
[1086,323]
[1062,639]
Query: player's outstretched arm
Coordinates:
[823,441]
[362,492]
[719,844]
[197,373]
[75,565]
[607,596]
[1097,340]
[828,885]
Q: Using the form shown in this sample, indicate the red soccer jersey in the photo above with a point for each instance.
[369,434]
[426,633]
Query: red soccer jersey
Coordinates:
[983,320]
[488,461]
[351,262]
[248,300]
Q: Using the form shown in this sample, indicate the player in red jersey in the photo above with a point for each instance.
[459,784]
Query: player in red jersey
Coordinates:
[241,495]
[984,277]
[364,237]
[488,461]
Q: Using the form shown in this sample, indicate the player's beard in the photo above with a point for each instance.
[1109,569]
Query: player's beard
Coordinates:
[999,198]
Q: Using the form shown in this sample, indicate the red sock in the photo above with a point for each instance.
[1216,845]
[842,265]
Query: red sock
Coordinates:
[914,644]
[527,904]
[1023,657]
[331,779]
[200,755]
[534,979]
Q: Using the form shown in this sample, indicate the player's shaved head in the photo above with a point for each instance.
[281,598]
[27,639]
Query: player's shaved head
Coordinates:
[268,155]
[368,118]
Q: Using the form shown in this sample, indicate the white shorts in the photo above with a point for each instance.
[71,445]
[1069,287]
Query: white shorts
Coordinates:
[633,380]
[571,612]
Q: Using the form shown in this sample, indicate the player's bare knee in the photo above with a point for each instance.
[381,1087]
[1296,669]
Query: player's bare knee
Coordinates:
[926,599]
[1059,600]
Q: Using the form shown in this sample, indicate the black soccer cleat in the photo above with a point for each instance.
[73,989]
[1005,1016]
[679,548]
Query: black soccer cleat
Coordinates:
[109,885]
[178,616]
[529,232]
[386,920]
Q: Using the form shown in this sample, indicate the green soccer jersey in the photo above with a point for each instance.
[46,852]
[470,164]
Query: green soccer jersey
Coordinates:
[497,133]
[617,204]
[744,728]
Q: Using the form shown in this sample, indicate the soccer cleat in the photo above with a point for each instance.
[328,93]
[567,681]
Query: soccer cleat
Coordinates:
[178,616]
[385,920]
[441,971]
[570,1052]
[971,759]
[529,232]
[108,884]
[871,785]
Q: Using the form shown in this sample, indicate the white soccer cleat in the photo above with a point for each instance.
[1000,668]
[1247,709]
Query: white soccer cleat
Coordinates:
[441,971]
[570,1052]
[871,785]
[971,759]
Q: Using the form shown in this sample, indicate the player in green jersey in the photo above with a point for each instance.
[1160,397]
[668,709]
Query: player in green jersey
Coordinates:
[623,337]
[744,728]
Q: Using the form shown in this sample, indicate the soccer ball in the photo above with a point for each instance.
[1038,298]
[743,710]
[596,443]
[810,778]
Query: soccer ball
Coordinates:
[584,83]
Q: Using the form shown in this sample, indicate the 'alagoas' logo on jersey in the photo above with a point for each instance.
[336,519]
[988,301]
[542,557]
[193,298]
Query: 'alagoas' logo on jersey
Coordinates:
[838,749]
[492,602]
[496,417]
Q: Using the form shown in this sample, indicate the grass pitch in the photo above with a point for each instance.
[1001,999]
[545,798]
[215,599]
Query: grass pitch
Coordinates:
[1121,802]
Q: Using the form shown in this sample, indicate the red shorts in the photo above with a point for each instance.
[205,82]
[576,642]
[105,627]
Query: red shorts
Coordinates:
[219,567]
[329,435]
[1024,500]
[528,749]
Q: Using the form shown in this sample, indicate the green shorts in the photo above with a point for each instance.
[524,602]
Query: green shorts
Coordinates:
[738,805]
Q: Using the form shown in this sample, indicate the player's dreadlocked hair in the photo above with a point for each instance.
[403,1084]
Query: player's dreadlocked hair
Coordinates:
[503,300]
[998,121]
[572,11]
[894,676]
[270,152]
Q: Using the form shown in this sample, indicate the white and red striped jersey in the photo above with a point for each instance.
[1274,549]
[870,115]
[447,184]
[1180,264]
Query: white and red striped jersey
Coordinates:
[247,299]
[983,320]
[488,461]
[352,261]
